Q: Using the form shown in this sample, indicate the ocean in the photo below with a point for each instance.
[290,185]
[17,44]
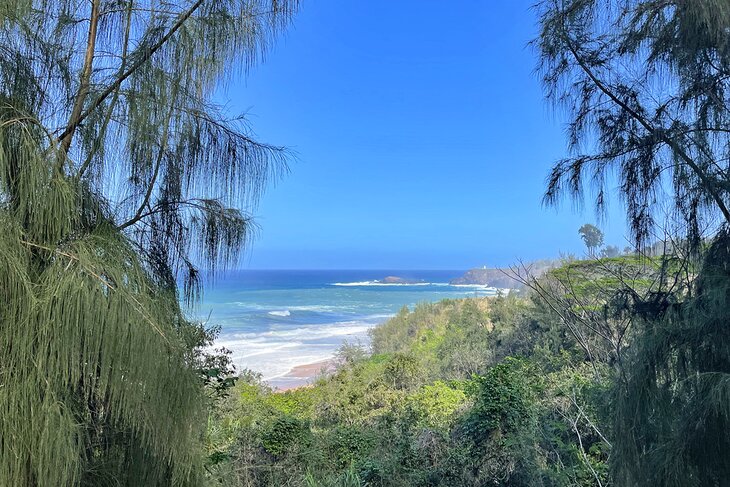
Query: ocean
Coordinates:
[273,321]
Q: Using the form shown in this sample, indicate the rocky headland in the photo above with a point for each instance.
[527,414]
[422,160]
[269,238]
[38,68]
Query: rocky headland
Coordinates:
[501,277]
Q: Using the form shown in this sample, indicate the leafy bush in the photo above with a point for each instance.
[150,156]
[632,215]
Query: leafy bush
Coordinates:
[283,433]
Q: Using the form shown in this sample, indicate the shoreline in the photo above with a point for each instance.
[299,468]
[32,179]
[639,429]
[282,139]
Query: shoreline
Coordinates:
[311,370]
[303,375]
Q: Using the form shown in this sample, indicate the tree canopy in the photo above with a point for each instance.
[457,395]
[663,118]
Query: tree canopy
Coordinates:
[647,89]
[591,236]
[119,177]
[645,84]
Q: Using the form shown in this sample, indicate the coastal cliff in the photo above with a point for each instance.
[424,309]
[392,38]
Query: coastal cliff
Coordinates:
[487,277]
[500,277]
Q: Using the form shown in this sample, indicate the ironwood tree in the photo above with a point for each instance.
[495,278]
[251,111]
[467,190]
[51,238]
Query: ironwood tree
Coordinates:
[119,177]
[646,84]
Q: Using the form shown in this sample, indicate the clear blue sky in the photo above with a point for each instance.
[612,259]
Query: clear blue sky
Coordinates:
[422,135]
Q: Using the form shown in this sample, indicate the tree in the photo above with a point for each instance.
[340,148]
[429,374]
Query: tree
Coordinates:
[647,86]
[658,125]
[119,176]
[592,237]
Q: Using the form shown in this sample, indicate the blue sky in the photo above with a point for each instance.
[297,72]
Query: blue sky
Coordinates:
[422,135]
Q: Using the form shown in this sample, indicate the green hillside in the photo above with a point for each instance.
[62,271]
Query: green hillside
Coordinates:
[479,391]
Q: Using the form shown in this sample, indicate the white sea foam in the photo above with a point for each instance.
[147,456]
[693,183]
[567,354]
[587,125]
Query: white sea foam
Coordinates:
[482,287]
[307,332]
[275,352]
[284,313]
[321,308]
[385,284]
[317,308]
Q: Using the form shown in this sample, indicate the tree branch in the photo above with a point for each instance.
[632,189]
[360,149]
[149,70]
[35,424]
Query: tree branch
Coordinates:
[126,74]
[75,118]
[192,203]
[648,126]
[163,147]
[107,119]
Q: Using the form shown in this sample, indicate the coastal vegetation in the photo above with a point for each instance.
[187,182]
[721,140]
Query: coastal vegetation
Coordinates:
[517,389]
[120,177]
[608,371]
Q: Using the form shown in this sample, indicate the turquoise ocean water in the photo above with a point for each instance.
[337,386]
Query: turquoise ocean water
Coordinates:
[273,321]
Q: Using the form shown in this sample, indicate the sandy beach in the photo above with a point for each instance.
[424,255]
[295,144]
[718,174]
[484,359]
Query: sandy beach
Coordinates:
[304,375]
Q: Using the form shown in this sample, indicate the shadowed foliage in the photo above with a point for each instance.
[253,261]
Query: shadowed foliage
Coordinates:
[646,84]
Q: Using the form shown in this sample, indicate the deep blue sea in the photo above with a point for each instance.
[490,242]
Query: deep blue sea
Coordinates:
[273,321]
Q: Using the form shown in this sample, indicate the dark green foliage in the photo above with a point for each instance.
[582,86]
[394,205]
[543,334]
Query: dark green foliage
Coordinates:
[672,412]
[283,433]
[500,428]
[646,85]
[501,403]
[349,445]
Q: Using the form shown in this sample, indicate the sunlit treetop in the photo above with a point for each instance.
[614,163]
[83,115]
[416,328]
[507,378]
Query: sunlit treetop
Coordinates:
[120,95]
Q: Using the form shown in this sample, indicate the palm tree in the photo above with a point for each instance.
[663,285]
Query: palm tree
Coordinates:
[592,237]
[119,177]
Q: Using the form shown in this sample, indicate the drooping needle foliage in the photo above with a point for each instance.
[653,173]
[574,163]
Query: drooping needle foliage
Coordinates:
[645,83]
[119,176]
[647,86]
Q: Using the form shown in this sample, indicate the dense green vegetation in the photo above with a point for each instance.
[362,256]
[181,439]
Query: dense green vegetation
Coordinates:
[536,388]
[481,391]
[645,85]
[119,177]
